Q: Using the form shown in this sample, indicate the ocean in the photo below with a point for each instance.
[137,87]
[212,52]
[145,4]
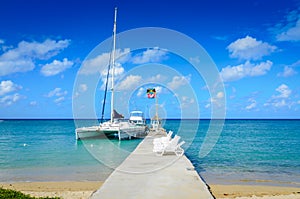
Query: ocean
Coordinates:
[260,152]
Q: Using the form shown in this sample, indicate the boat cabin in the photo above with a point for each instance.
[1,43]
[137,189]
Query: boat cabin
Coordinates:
[137,117]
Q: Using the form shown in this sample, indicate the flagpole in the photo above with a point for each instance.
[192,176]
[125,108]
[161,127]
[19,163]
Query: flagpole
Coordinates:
[156,101]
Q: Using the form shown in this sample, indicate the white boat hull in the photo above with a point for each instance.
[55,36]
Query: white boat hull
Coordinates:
[121,129]
[88,132]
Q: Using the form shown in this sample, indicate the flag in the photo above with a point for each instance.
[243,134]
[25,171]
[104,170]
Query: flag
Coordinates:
[151,93]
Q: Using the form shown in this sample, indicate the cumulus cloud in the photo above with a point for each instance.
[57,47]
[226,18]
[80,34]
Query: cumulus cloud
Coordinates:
[100,63]
[8,100]
[131,81]
[287,72]
[252,104]
[56,67]
[216,99]
[281,99]
[156,78]
[233,73]
[284,91]
[21,58]
[178,81]
[8,86]
[150,55]
[10,66]
[249,48]
[58,92]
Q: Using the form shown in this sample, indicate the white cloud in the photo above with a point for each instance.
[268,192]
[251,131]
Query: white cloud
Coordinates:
[15,66]
[141,92]
[186,101]
[284,91]
[10,99]
[8,86]
[150,55]
[33,103]
[216,99]
[56,92]
[249,48]
[2,41]
[292,34]
[156,78]
[131,81]
[296,64]
[59,100]
[232,73]
[178,81]
[252,104]
[83,88]
[158,89]
[280,103]
[207,105]
[282,98]
[56,67]
[59,95]
[287,72]
[21,58]
[100,63]
[37,50]
[195,60]
[119,71]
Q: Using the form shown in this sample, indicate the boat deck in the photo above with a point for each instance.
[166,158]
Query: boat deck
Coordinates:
[145,175]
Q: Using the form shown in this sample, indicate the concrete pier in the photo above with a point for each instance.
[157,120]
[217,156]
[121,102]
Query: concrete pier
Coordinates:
[145,175]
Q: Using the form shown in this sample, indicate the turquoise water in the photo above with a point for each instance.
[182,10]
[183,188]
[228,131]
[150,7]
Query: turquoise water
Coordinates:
[247,151]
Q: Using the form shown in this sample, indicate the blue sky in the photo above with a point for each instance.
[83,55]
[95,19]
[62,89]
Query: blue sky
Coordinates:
[254,44]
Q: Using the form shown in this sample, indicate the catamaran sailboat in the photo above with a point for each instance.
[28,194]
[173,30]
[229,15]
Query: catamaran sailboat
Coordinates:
[116,126]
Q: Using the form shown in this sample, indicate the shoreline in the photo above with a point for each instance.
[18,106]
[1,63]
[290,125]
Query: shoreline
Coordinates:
[84,189]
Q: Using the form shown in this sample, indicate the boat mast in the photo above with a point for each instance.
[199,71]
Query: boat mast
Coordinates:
[113,67]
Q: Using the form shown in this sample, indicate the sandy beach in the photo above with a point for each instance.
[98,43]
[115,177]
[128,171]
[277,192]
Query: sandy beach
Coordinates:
[254,191]
[66,190]
[82,190]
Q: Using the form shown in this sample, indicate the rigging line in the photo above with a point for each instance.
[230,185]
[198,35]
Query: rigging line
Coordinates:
[106,85]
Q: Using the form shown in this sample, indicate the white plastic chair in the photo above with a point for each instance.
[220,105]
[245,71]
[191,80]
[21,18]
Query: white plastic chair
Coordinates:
[172,146]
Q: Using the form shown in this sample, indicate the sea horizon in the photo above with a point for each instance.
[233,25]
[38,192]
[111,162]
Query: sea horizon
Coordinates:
[106,119]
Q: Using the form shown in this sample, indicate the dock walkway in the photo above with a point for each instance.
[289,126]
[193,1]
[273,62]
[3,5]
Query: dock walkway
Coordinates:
[145,175]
